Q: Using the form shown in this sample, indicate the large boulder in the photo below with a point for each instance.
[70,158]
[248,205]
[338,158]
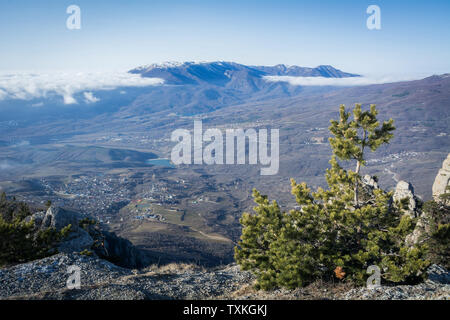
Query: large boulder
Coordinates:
[405,190]
[370,181]
[76,242]
[442,180]
[58,218]
[439,187]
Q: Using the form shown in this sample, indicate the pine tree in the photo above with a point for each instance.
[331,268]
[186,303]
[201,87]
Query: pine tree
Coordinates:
[260,233]
[333,229]
[352,137]
[20,240]
[436,216]
[445,197]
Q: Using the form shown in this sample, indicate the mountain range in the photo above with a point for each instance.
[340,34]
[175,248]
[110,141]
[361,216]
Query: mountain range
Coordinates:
[222,73]
[188,88]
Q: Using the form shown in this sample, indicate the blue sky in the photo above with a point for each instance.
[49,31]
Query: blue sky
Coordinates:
[117,35]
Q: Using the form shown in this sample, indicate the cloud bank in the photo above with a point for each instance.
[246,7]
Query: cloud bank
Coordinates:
[339,82]
[28,86]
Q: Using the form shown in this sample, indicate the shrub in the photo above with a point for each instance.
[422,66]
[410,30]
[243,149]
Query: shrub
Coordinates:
[86,222]
[20,241]
[437,232]
[86,252]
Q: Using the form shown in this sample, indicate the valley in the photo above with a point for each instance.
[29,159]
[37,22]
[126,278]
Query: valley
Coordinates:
[110,164]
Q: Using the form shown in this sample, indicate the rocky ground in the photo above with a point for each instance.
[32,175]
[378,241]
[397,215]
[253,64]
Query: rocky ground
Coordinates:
[101,280]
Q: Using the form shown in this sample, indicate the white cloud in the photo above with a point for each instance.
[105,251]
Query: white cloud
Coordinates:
[89,97]
[27,86]
[347,82]
[68,99]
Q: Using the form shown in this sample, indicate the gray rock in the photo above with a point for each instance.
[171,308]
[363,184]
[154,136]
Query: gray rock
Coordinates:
[419,230]
[100,280]
[114,248]
[438,274]
[38,278]
[370,181]
[435,288]
[405,190]
[77,241]
[122,251]
[442,180]
[37,217]
[59,218]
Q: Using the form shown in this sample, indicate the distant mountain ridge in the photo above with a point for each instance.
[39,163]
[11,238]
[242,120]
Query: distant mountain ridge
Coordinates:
[325,71]
[198,87]
[221,72]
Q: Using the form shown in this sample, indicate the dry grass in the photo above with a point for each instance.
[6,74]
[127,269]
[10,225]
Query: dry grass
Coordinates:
[173,268]
[318,290]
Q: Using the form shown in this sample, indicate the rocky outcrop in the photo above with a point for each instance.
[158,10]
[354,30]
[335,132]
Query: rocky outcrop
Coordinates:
[442,180]
[421,227]
[58,218]
[405,190]
[121,251]
[90,237]
[370,181]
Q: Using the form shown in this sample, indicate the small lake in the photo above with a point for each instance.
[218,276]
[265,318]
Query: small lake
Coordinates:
[161,162]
